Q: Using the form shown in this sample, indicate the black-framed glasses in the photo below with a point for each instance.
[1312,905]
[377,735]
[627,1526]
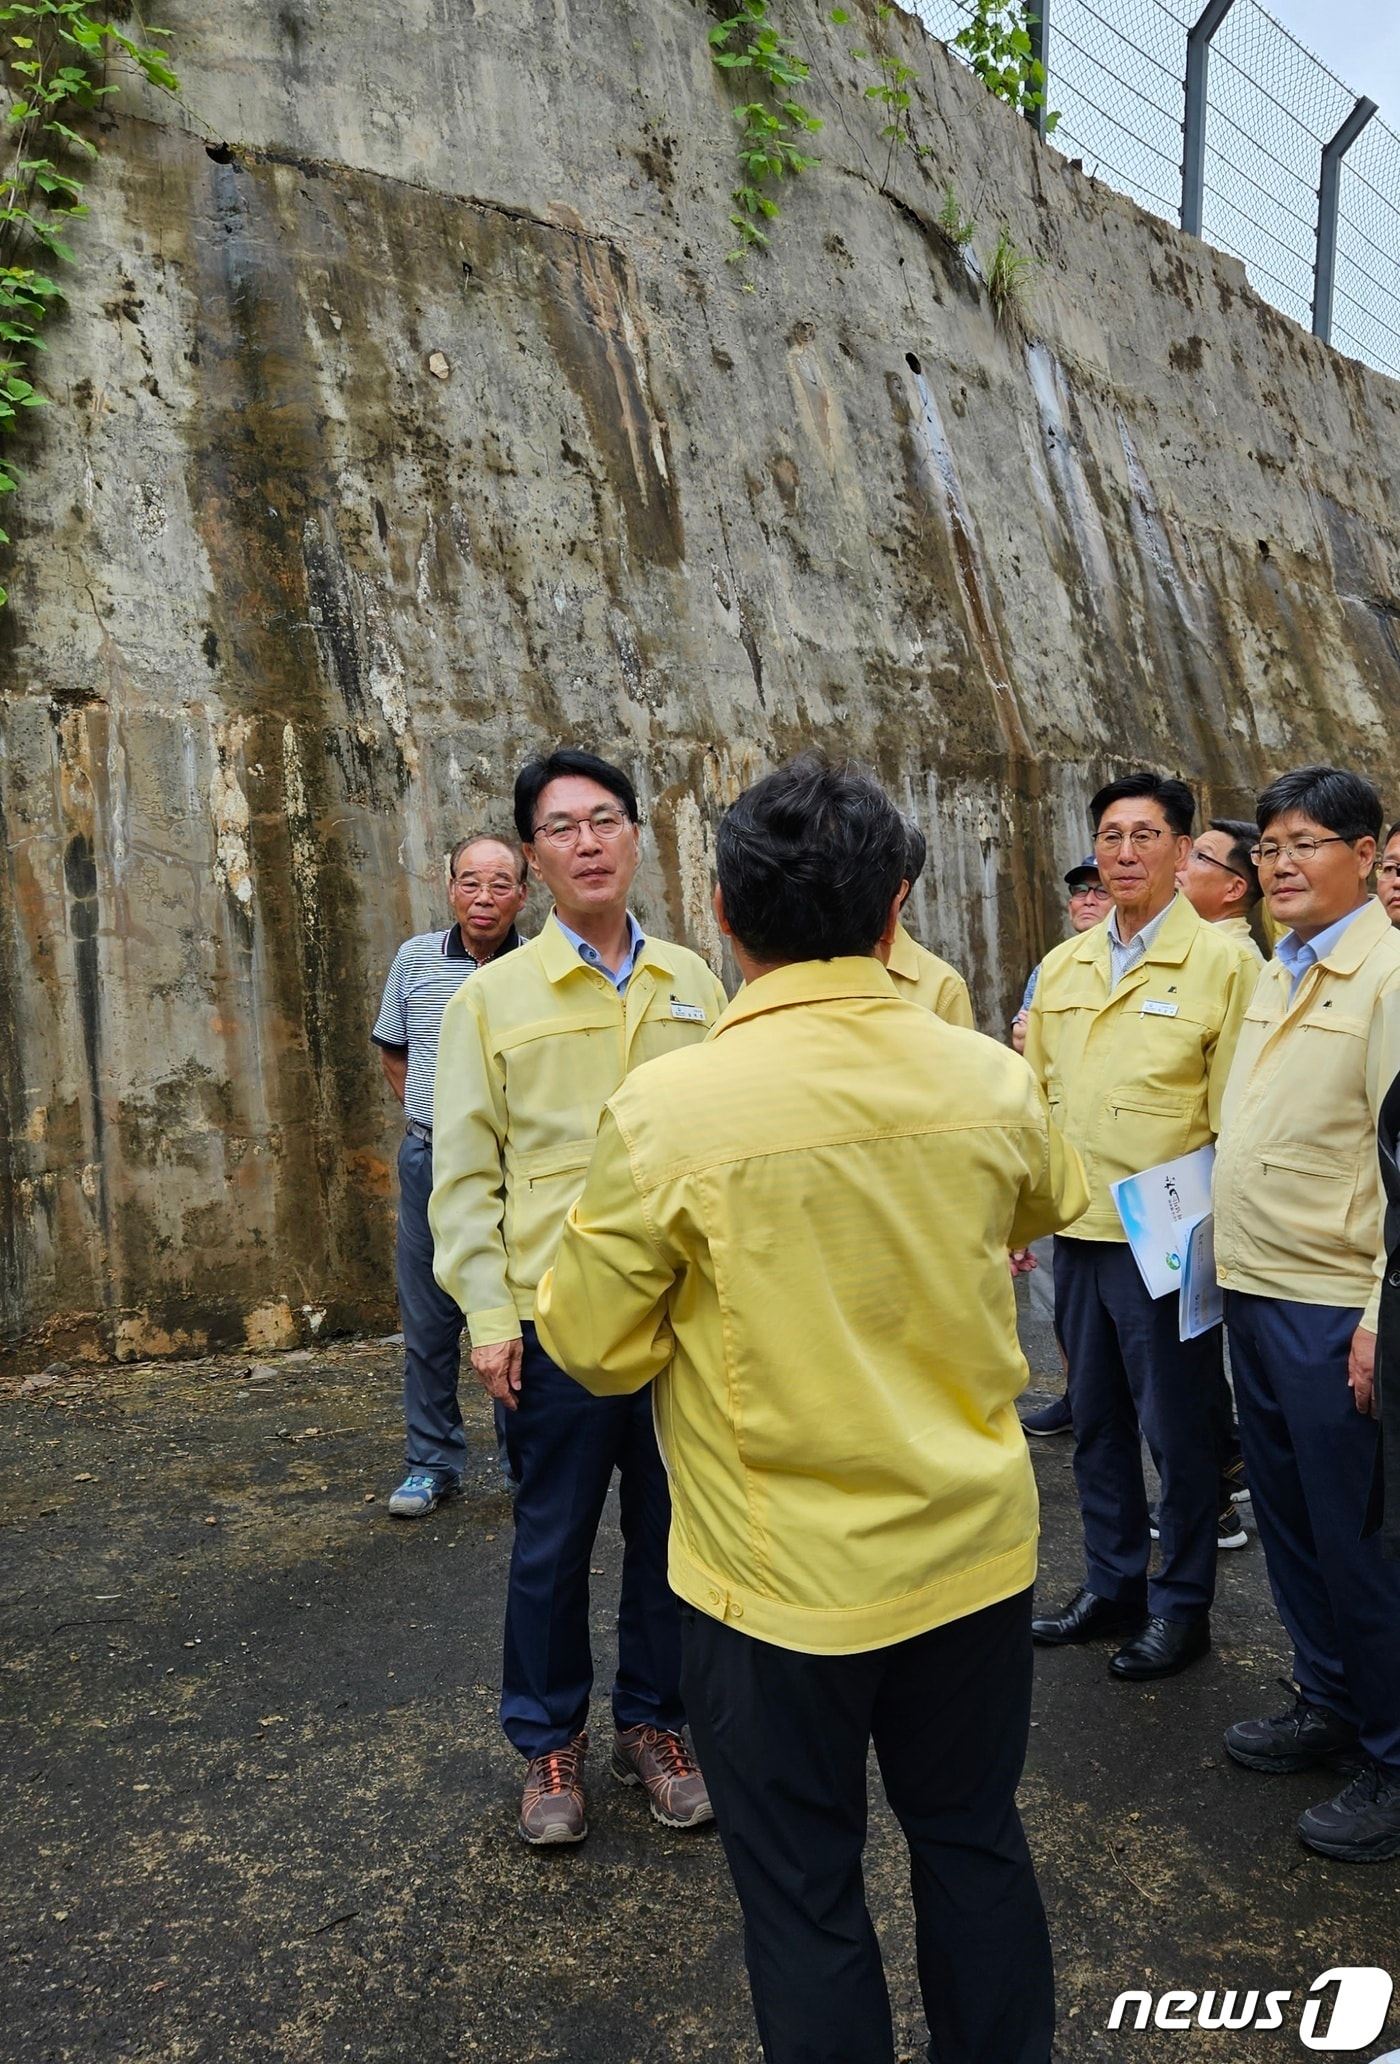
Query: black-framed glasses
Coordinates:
[1223,865]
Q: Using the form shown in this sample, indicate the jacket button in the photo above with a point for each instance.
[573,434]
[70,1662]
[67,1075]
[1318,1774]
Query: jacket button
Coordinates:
[1394,1279]
[736,1611]
[714,1597]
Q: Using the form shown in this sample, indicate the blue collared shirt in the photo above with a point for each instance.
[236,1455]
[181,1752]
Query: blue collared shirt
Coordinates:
[1299,955]
[594,959]
[1124,958]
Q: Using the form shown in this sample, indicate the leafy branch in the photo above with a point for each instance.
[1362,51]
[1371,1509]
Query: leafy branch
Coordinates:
[53,59]
[772,124]
[998,48]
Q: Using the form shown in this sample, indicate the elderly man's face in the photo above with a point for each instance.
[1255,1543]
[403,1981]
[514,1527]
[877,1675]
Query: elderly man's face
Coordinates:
[1088,904]
[1138,855]
[486,895]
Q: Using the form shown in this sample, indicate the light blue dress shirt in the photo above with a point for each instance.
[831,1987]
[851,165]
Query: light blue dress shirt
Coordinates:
[1123,958]
[594,959]
[1298,955]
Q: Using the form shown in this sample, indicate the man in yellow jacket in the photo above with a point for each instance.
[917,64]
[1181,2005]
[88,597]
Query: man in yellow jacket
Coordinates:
[1300,1248]
[800,1230]
[1131,1032]
[526,1061]
[918,975]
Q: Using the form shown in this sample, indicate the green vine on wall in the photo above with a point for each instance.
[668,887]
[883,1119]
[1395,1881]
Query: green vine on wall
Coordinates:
[54,54]
[772,123]
[997,46]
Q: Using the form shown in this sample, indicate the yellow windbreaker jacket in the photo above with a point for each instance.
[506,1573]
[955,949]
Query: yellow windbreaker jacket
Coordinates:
[921,977]
[1237,928]
[1299,1212]
[800,1229]
[1137,1077]
[529,1052]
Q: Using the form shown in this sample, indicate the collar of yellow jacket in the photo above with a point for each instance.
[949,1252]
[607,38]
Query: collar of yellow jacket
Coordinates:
[904,956]
[1363,934]
[809,981]
[1168,949]
[559,958]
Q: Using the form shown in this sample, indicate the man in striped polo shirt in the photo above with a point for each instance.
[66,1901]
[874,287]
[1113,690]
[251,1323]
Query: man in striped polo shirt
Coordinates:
[487,885]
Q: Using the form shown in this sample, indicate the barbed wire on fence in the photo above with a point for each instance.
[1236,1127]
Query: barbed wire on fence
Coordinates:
[1116,75]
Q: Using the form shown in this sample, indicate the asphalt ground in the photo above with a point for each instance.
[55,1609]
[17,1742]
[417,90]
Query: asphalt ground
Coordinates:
[257,1805]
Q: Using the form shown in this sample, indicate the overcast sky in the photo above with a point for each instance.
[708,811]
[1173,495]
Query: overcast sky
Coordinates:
[1357,39]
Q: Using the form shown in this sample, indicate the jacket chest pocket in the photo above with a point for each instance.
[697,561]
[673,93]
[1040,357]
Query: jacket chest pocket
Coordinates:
[547,1164]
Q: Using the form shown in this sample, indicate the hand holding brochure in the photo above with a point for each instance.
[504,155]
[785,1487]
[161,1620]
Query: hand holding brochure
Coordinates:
[1158,1209]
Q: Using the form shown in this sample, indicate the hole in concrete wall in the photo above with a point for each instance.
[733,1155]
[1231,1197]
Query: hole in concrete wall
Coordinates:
[1263,548]
[381,521]
[912,362]
[219,152]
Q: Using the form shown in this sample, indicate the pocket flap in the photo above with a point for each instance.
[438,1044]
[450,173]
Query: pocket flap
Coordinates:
[561,1160]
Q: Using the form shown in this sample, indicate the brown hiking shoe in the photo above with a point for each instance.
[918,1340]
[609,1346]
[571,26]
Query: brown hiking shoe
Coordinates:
[551,1805]
[663,1763]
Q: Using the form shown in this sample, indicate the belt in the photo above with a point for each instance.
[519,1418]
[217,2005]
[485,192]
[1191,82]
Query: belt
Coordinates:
[422,1132]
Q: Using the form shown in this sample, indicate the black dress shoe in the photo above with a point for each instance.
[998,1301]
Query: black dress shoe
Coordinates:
[1088,1617]
[1163,1648]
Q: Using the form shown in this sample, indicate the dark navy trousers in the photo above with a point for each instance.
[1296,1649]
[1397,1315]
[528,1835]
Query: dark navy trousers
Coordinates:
[432,1328]
[1309,1455]
[1132,1378]
[563,1446]
[784,1740]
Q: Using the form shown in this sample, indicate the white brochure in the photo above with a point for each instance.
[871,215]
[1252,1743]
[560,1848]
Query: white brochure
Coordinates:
[1158,1209]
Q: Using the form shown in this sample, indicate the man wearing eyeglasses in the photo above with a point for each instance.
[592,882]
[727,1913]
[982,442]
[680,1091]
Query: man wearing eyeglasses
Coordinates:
[1131,1032]
[1221,882]
[1300,1248]
[486,887]
[530,1053]
[1388,875]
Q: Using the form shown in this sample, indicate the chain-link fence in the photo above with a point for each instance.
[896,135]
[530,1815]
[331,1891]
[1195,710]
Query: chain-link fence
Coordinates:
[1117,72]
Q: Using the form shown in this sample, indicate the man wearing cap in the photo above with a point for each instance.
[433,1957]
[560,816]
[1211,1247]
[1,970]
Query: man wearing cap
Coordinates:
[486,888]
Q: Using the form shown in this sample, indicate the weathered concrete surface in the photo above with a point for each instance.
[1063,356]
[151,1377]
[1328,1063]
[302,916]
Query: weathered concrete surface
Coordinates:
[257,1809]
[427,425]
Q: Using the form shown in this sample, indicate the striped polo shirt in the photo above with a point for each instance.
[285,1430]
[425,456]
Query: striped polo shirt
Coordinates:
[428,971]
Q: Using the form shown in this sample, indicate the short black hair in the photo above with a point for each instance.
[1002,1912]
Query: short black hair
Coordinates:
[1172,797]
[917,852]
[1243,835]
[536,775]
[1346,803]
[1392,831]
[809,860]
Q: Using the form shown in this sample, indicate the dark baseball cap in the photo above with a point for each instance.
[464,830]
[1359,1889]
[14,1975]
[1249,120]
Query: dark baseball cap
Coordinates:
[1081,873]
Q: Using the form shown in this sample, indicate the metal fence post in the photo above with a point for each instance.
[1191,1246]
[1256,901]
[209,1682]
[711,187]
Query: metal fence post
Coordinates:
[1038,29]
[1193,128]
[1328,194]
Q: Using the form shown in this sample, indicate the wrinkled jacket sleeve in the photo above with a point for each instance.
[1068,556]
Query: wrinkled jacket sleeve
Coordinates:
[1221,1051]
[955,1004]
[602,1310]
[1055,1192]
[467,1207]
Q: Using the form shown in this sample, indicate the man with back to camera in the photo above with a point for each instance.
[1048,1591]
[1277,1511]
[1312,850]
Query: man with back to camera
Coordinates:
[1388,875]
[529,1054]
[918,975]
[486,888]
[1221,882]
[800,1230]
[1131,1033]
[1300,1249]
[1088,905]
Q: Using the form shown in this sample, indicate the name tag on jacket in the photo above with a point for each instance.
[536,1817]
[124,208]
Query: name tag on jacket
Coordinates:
[691,1012]
[1153,1009]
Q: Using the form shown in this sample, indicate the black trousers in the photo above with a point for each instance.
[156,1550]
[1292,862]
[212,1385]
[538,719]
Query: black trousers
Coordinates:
[783,1740]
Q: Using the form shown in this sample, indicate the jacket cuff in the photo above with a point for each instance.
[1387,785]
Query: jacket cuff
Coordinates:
[1371,1317]
[493,1328]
